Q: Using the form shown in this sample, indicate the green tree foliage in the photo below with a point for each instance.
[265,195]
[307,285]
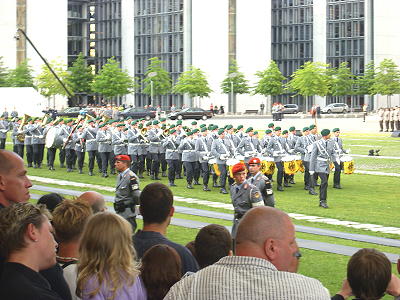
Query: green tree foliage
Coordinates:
[387,79]
[48,85]
[162,82]
[364,83]
[3,74]
[237,81]
[342,80]
[270,81]
[81,76]
[21,76]
[112,81]
[192,82]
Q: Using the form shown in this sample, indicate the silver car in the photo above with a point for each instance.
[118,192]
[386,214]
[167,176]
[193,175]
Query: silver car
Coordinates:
[335,108]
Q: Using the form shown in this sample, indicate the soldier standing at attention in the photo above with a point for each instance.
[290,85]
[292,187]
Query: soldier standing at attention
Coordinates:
[338,146]
[189,157]
[221,152]
[171,155]
[4,127]
[262,182]
[127,191]
[89,135]
[244,195]
[323,153]
[103,139]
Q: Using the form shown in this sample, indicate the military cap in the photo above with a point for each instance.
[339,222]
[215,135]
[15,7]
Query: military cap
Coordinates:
[171,126]
[335,129]
[284,132]
[210,127]
[240,127]
[179,122]
[163,119]
[189,133]
[292,128]
[195,130]
[128,118]
[203,129]
[148,123]
[60,120]
[268,131]
[215,127]
[68,120]
[229,127]
[194,123]
[306,129]
[102,125]
[123,157]
[156,122]
[255,132]
[312,126]
[270,125]
[254,160]
[110,122]
[79,126]
[163,126]
[221,131]
[249,129]
[120,125]
[277,128]
[98,118]
[172,131]
[125,129]
[325,132]
[56,122]
[202,125]
[90,121]
[239,167]
[140,126]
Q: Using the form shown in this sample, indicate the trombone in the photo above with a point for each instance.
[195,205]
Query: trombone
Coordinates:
[143,134]
[21,135]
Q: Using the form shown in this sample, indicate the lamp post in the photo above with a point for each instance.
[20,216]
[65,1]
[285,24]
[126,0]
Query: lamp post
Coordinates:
[151,75]
[231,76]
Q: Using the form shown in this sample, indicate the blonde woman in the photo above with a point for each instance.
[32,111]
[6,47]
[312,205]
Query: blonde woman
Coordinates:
[107,268]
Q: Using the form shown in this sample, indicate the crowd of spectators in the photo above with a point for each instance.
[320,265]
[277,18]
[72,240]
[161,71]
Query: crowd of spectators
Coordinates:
[76,249]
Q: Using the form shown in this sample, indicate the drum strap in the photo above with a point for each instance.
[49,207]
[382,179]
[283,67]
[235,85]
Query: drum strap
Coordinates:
[204,144]
[223,146]
[323,150]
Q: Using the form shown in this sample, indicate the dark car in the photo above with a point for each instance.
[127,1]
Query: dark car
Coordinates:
[71,112]
[138,113]
[191,113]
[290,109]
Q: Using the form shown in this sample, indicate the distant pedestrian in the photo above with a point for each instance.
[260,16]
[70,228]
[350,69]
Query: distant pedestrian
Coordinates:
[262,106]
[365,111]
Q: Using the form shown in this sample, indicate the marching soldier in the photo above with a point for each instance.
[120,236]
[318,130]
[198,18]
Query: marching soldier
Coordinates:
[4,127]
[68,145]
[262,182]
[221,152]
[189,158]
[28,141]
[171,145]
[79,147]
[119,140]
[149,157]
[338,147]
[322,155]
[276,149]
[393,114]
[51,152]
[135,149]
[244,195]
[37,143]
[103,139]
[291,141]
[247,146]
[386,118]
[127,191]
[155,149]
[381,112]
[19,145]
[203,148]
[89,136]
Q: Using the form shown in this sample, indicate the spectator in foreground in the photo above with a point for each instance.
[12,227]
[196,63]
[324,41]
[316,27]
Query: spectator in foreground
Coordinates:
[51,201]
[95,200]
[156,208]
[161,268]
[28,244]
[69,220]
[107,267]
[369,276]
[264,268]
[211,244]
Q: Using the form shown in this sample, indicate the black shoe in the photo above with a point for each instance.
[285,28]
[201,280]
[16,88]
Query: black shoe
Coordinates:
[29,165]
[152,177]
[223,191]
[280,188]
[323,204]
[80,171]
[286,184]
[69,170]
[62,166]
[90,173]
[172,184]
[292,182]
[306,188]
[113,172]
[338,186]
[189,186]
[317,184]
[216,185]
[52,168]
[312,192]
[205,188]
[164,174]
[179,177]
[141,176]
[196,182]
[157,178]
[105,175]
[148,173]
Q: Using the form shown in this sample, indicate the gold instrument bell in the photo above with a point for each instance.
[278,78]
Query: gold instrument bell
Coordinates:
[21,136]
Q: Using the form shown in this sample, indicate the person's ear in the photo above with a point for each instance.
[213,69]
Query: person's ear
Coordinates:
[230,253]
[2,182]
[171,211]
[32,233]
[270,249]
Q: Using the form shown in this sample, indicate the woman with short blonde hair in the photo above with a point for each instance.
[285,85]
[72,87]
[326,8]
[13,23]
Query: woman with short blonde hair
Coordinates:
[107,268]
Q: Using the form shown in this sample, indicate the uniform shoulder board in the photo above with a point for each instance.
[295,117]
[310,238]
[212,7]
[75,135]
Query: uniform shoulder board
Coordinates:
[246,186]
[131,173]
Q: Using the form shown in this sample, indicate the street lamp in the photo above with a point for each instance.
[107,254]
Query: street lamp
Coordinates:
[151,75]
[231,76]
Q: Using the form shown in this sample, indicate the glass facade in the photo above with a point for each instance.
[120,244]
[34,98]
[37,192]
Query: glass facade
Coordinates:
[292,38]
[345,40]
[159,33]
[77,29]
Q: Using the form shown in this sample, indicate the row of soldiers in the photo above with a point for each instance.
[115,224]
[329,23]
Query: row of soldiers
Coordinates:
[389,119]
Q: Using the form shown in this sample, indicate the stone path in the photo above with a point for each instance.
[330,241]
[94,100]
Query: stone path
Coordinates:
[379,157]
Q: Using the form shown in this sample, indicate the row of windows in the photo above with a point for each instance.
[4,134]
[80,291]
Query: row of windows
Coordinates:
[292,50]
[165,101]
[173,63]
[108,47]
[76,11]
[356,64]
[108,29]
[75,28]
[75,46]
[148,7]
[345,47]
[292,16]
[159,24]
[171,43]
[346,10]
[108,10]
[288,67]
[345,29]
[291,33]
[290,3]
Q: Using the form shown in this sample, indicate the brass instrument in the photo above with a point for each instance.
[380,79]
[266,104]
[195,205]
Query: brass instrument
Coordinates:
[46,120]
[20,135]
[106,118]
[142,135]
[80,117]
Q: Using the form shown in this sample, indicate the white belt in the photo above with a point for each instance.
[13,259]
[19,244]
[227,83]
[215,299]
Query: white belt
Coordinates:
[134,144]
[186,151]
[91,140]
[157,143]
[322,159]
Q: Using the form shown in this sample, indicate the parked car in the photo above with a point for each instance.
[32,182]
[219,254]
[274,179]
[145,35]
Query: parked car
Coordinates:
[71,112]
[290,109]
[335,108]
[191,113]
[138,113]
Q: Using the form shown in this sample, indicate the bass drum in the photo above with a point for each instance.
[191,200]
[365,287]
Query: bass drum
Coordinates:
[53,138]
[299,163]
[267,165]
[289,164]
[230,163]
[348,164]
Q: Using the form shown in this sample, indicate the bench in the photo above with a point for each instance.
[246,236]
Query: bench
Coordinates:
[251,111]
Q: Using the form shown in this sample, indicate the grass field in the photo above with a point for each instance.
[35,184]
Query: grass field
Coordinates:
[364,198]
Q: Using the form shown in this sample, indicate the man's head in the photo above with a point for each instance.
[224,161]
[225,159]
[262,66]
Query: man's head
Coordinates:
[211,244]
[156,203]
[369,273]
[50,200]
[254,165]
[26,235]
[122,162]
[95,200]
[69,219]
[336,131]
[326,134]
[268,233]
[14,182]
[239,173]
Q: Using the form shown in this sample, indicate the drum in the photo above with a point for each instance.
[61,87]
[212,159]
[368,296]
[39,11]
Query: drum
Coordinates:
[240,158]
[348,164]
[289,164]
[267,165]
[299,164]
[212,161]
[230,163]
[53,138]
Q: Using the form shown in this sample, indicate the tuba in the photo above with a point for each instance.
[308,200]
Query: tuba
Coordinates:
[20,135]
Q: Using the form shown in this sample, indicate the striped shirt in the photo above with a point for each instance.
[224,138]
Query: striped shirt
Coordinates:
[243,277]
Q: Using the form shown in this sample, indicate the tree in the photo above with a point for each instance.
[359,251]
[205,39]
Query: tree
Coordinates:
[112,81]
[192,82]
[48,85]
[21,76]
[309,80]
[235,81]
[81,76]
[158,84]
[342,80]
[387,79]
[364,83]
[270,82]
[3,74]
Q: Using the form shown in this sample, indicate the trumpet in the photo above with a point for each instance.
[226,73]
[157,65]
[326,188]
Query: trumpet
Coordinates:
[20,135]
[142,135]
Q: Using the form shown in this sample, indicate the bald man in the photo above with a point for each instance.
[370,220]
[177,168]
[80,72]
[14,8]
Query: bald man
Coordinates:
[95,200]
[14,182]
[264,267]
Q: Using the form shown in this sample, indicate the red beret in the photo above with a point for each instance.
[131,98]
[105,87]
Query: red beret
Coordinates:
[254,160]
[123,157]
[239,167]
